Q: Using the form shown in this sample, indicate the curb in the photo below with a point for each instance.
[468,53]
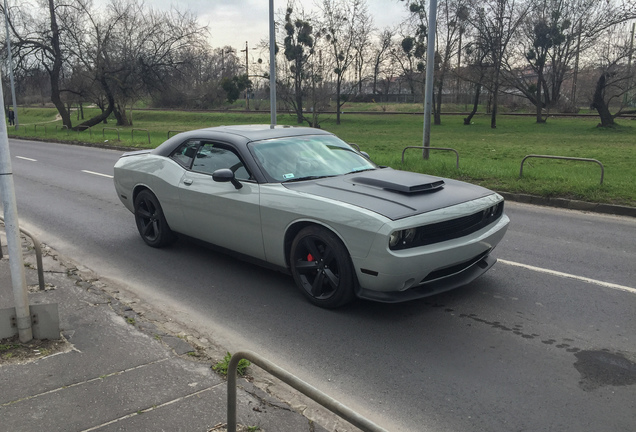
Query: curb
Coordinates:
[570,204]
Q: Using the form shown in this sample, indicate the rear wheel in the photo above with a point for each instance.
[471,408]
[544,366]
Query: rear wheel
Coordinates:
[322,268]
[151,223]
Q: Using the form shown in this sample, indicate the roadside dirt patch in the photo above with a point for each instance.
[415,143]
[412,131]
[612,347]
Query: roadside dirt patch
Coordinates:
[12,351]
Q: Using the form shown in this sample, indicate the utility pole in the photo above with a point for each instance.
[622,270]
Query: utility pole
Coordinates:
[15,105]
[247,74]
[430,69]
[272,65]
[16,261]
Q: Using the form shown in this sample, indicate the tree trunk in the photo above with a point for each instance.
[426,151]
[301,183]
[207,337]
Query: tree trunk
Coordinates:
[599,104]
[339,104]
[97,119]
[468,119]
[120,114]
[437,117]
[298,91]
[106,111]
[539,101]
[493,115]
[55,71]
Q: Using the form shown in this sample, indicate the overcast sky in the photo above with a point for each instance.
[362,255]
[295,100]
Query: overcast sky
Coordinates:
[233,22]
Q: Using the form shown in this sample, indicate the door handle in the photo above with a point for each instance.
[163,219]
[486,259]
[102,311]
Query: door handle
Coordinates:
[187,182]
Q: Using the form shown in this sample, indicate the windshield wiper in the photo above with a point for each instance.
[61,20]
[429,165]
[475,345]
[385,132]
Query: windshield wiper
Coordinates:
[306,178]
[361,170]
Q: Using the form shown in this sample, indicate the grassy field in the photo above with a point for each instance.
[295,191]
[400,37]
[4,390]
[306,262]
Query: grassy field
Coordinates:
[488,157]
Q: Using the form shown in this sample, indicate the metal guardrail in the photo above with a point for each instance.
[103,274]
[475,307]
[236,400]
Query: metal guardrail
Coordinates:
[38,254]
[108,128]
[326,401]
[176,131]
[433,148]
[62,127]
[90,130]
[35,131]
[563,158]
[132,134]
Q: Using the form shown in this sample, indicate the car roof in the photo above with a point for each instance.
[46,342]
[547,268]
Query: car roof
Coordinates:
[238,135]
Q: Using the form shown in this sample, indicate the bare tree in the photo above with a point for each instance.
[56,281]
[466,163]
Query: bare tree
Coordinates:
[298,50]
[114,56]
[475,72]
[143,51]
[39,38]
[362,47]
[496,22]
[347,27]
[380,56]
[451,26]
[554,35]
[411,55]
[616,81]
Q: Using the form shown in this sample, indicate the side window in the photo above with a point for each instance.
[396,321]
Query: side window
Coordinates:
[184,154]
[212,157]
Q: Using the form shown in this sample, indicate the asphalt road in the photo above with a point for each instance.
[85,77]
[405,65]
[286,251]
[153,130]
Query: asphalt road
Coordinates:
[520,349]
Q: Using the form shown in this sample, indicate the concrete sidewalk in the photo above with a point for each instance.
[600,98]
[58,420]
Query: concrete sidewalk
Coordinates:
[119,372]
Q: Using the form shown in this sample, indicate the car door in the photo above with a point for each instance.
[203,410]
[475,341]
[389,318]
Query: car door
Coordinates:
[217,212]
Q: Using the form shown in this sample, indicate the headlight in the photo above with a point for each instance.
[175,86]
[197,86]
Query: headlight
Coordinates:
[408,235]
[402,238]
[395,238]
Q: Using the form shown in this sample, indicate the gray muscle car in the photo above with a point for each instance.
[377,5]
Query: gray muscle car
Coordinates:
[304,201]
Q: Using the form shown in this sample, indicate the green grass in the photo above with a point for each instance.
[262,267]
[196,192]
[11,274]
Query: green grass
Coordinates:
[222,366]
[490,157]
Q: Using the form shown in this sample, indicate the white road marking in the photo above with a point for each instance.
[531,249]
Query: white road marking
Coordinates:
[570,276]
[97,174]
[26,158]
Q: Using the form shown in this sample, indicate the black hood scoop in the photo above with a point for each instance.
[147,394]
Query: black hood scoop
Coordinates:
[392,193]
[406,184]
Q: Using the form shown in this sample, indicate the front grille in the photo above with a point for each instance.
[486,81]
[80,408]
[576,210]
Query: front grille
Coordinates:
[452,229]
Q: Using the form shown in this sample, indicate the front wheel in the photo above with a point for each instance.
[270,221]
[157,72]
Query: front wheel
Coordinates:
[151,222]
[321,267]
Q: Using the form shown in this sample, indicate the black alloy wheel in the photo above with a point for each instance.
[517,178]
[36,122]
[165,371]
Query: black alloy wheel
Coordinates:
[321,267]
[151,223]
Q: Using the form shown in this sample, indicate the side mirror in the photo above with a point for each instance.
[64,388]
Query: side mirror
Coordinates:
[225,175]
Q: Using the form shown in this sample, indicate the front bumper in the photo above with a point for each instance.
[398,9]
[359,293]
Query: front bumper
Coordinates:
[431,288]
[395,276]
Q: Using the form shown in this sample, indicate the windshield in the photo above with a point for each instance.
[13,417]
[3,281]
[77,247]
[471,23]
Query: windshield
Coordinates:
[307,157]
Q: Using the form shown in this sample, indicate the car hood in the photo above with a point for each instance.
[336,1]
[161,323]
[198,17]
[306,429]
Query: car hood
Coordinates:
[392,193]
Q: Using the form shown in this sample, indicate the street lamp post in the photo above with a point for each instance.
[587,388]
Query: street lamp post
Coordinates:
[430,69]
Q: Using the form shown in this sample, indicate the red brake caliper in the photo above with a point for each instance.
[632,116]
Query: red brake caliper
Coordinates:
[310,258]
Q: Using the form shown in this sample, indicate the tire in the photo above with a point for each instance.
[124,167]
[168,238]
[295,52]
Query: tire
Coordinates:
[321,267]
[151,223]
